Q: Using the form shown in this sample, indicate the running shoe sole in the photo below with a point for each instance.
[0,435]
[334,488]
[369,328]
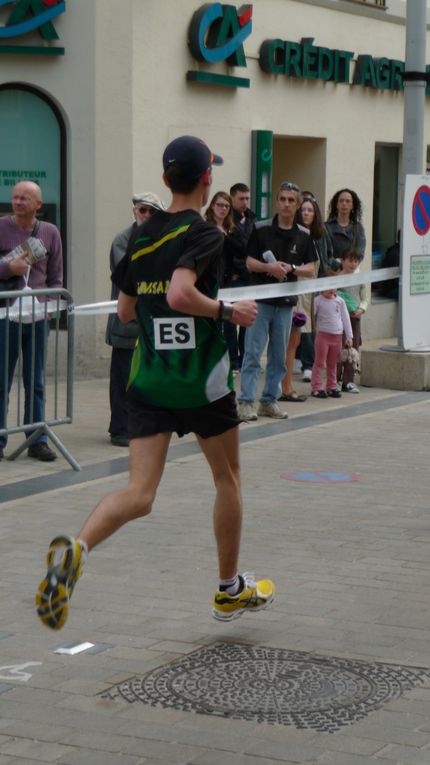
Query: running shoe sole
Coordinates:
[55,590]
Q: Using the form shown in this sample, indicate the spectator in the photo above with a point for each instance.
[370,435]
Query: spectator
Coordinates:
[332,320]
[48,272]
[220,213]
[122,337]
[356,303]
[291,250]
[344,223]
[310,216]
[243,217]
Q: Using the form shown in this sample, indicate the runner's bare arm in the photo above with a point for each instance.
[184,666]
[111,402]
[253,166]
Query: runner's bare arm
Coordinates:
[185,297]
[126,307]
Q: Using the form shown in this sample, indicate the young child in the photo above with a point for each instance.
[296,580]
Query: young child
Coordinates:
[356,303]
[332,321]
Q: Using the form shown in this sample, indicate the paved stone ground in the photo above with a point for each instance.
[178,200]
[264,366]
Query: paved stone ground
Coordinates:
[351,562]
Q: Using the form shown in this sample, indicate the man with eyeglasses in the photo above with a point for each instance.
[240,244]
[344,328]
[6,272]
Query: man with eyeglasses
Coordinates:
[122,337]
[278,250]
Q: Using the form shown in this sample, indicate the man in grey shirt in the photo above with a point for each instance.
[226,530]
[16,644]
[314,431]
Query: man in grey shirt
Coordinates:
[122,337]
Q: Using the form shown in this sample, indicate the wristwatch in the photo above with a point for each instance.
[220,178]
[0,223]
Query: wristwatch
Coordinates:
[225,311]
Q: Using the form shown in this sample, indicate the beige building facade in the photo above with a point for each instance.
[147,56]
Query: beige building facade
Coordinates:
[323,107]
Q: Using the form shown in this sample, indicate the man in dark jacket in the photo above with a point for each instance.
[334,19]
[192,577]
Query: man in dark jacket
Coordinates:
[243,217]
[291,256]
[122,337]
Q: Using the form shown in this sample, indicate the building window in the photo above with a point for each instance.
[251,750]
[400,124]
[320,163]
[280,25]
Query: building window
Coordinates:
[385,213]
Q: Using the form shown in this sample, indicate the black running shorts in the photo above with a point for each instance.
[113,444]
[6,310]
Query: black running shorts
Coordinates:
[204,421]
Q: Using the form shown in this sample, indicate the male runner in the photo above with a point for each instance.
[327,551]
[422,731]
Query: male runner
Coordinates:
[180,381]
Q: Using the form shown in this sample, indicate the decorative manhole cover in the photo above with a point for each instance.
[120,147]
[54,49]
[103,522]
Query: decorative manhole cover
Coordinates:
[272,685]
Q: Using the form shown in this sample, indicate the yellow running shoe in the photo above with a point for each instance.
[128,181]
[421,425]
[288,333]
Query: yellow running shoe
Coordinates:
[64,561]
[253,597]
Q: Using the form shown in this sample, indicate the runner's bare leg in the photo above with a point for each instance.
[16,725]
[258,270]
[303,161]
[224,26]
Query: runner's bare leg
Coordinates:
[222,454]
[147,460]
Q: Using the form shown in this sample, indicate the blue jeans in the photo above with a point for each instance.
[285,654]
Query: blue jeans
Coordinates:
[273,323]
[38,403]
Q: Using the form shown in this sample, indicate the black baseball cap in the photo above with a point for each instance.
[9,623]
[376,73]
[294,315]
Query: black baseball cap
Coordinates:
[191,155]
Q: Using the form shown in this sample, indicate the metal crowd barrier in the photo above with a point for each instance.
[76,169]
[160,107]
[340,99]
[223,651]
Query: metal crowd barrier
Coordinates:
[17,309]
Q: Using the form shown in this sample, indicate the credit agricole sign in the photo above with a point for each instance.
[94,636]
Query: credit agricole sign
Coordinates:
[19,19]
[217,33]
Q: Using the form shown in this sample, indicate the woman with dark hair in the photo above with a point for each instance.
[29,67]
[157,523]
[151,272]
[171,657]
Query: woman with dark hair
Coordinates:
[344,223]
[310,217]
[220,213]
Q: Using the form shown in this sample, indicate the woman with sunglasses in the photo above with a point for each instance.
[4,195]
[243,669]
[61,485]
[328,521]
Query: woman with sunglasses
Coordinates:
[220,213]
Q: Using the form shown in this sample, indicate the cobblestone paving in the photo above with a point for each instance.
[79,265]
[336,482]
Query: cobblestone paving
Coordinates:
[352,566]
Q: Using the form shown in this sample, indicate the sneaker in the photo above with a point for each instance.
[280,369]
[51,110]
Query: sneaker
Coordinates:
[247,411]
[272,409]
[319,394]
[254,597]
[307,375]
[339,386]
[335,393]
[350,388]
[42,452]
[54,592]
[297,368]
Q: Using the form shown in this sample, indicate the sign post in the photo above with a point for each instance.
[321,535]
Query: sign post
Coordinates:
[415,266]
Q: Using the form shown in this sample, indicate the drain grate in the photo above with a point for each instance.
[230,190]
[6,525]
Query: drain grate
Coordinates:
[272,685]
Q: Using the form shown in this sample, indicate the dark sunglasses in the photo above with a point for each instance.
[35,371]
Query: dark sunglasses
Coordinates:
[287,186]
[143,210]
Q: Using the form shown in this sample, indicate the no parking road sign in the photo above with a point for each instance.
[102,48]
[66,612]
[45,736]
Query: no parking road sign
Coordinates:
[415,269]
[421,211]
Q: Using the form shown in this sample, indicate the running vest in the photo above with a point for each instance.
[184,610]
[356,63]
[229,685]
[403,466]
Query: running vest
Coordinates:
[179,361]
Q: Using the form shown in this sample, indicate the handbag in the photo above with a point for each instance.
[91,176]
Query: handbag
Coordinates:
[7,285]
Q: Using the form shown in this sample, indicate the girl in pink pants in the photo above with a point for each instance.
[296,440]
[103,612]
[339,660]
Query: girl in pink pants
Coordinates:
[332,320]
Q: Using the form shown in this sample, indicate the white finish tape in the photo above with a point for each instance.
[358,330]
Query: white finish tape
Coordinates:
[261,291]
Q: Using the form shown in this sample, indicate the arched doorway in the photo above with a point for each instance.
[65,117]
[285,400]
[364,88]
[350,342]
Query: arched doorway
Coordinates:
[33,146]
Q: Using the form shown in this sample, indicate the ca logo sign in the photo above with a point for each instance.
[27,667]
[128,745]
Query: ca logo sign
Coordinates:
[29,15]
[217,33]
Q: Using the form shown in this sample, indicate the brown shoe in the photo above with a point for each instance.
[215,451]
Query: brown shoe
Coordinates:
[41,452]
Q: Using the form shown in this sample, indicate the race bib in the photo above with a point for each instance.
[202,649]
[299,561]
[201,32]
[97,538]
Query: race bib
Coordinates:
[174,334]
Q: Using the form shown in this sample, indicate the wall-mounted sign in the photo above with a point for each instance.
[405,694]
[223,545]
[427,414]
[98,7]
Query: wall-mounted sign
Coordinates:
[27,16]
[217,33]
[308,61]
